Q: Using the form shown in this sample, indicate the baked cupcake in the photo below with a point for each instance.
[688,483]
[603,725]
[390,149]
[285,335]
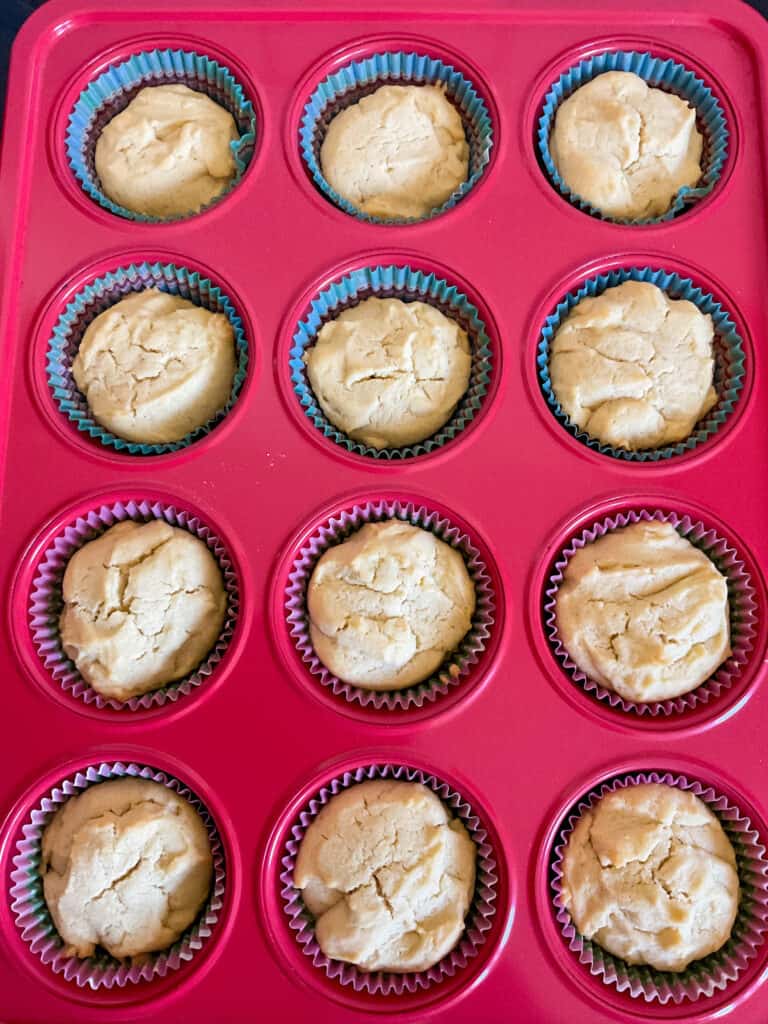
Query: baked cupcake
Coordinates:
[388,604]
[126,867]
[143,606]
[644,613]
[168,153]
[625,147]
[389,373]
[399,152]
[154,367]
[388,875]
[633,368]
[650,876]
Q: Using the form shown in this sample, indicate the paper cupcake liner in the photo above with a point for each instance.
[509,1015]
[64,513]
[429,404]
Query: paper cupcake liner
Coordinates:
[742,607]
[703,977]
[729,371]
[457,666]
[479,919]
[114,89]
[658,73]
[349,84]
[99,295]
[404,283]
[46,602]
[34,921]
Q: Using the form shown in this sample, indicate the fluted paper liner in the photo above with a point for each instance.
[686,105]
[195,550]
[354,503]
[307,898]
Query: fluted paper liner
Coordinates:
[359,78]
[728,347]
[478,921]
[741,604]
[96,297]
[407,284]
[659,73]
[46,601]
[458,665]
[703,977]
[34,921]
[112,91]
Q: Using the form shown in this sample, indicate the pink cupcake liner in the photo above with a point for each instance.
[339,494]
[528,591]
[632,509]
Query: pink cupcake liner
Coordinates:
[46,601]
[741,601]
[703,977]
[479,919]
[34,920]
[460,663]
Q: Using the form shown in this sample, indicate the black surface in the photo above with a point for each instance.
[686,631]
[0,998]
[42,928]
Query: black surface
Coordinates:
[13,13]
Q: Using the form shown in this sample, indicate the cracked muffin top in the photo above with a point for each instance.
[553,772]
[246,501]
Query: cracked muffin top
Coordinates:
[387,605]
[399,152]
[168,153]
[144,604]
[634,368]
[389,373]
[154,367]
[643,612]
[388,874]
[625,147]
[650,875]
[126,866]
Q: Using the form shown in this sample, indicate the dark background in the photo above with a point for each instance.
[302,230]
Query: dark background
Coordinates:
[14,12]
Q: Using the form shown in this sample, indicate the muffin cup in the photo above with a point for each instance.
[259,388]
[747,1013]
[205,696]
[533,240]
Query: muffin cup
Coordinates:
[741,603]
[729,370]
[114,89]
[401,282]
[46,602]
[34,920]
[457,665]
[479,917]
[658,73]
[98,296]
[709,974]
[359,78]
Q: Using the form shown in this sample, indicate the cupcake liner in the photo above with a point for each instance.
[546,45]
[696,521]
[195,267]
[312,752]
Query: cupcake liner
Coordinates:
[46,602]
[402,282]
[33,918]
[99,295]
[729,371]
[741,602]
[658,73]
[479,919]
[351,83]
[114,89]
[703,977]
[457,666]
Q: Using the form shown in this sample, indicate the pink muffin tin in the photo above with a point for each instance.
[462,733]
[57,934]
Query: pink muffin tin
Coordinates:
[511,737]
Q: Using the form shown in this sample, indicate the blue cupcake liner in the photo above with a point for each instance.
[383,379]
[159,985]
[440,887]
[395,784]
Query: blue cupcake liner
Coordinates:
[358,79]
[98,296]
[404,283]
[728,347]
[659,73]
[114,89]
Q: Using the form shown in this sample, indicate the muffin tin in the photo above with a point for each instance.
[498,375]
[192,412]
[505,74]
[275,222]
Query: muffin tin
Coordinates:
[515,742]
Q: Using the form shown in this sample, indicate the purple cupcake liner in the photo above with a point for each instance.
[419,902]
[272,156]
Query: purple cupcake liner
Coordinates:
[741,602]
[479,919]
[46,601]
[457,666]
[33,918]
[703,977]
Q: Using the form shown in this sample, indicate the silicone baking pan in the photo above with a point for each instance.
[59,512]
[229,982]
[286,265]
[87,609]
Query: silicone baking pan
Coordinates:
[510,735]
